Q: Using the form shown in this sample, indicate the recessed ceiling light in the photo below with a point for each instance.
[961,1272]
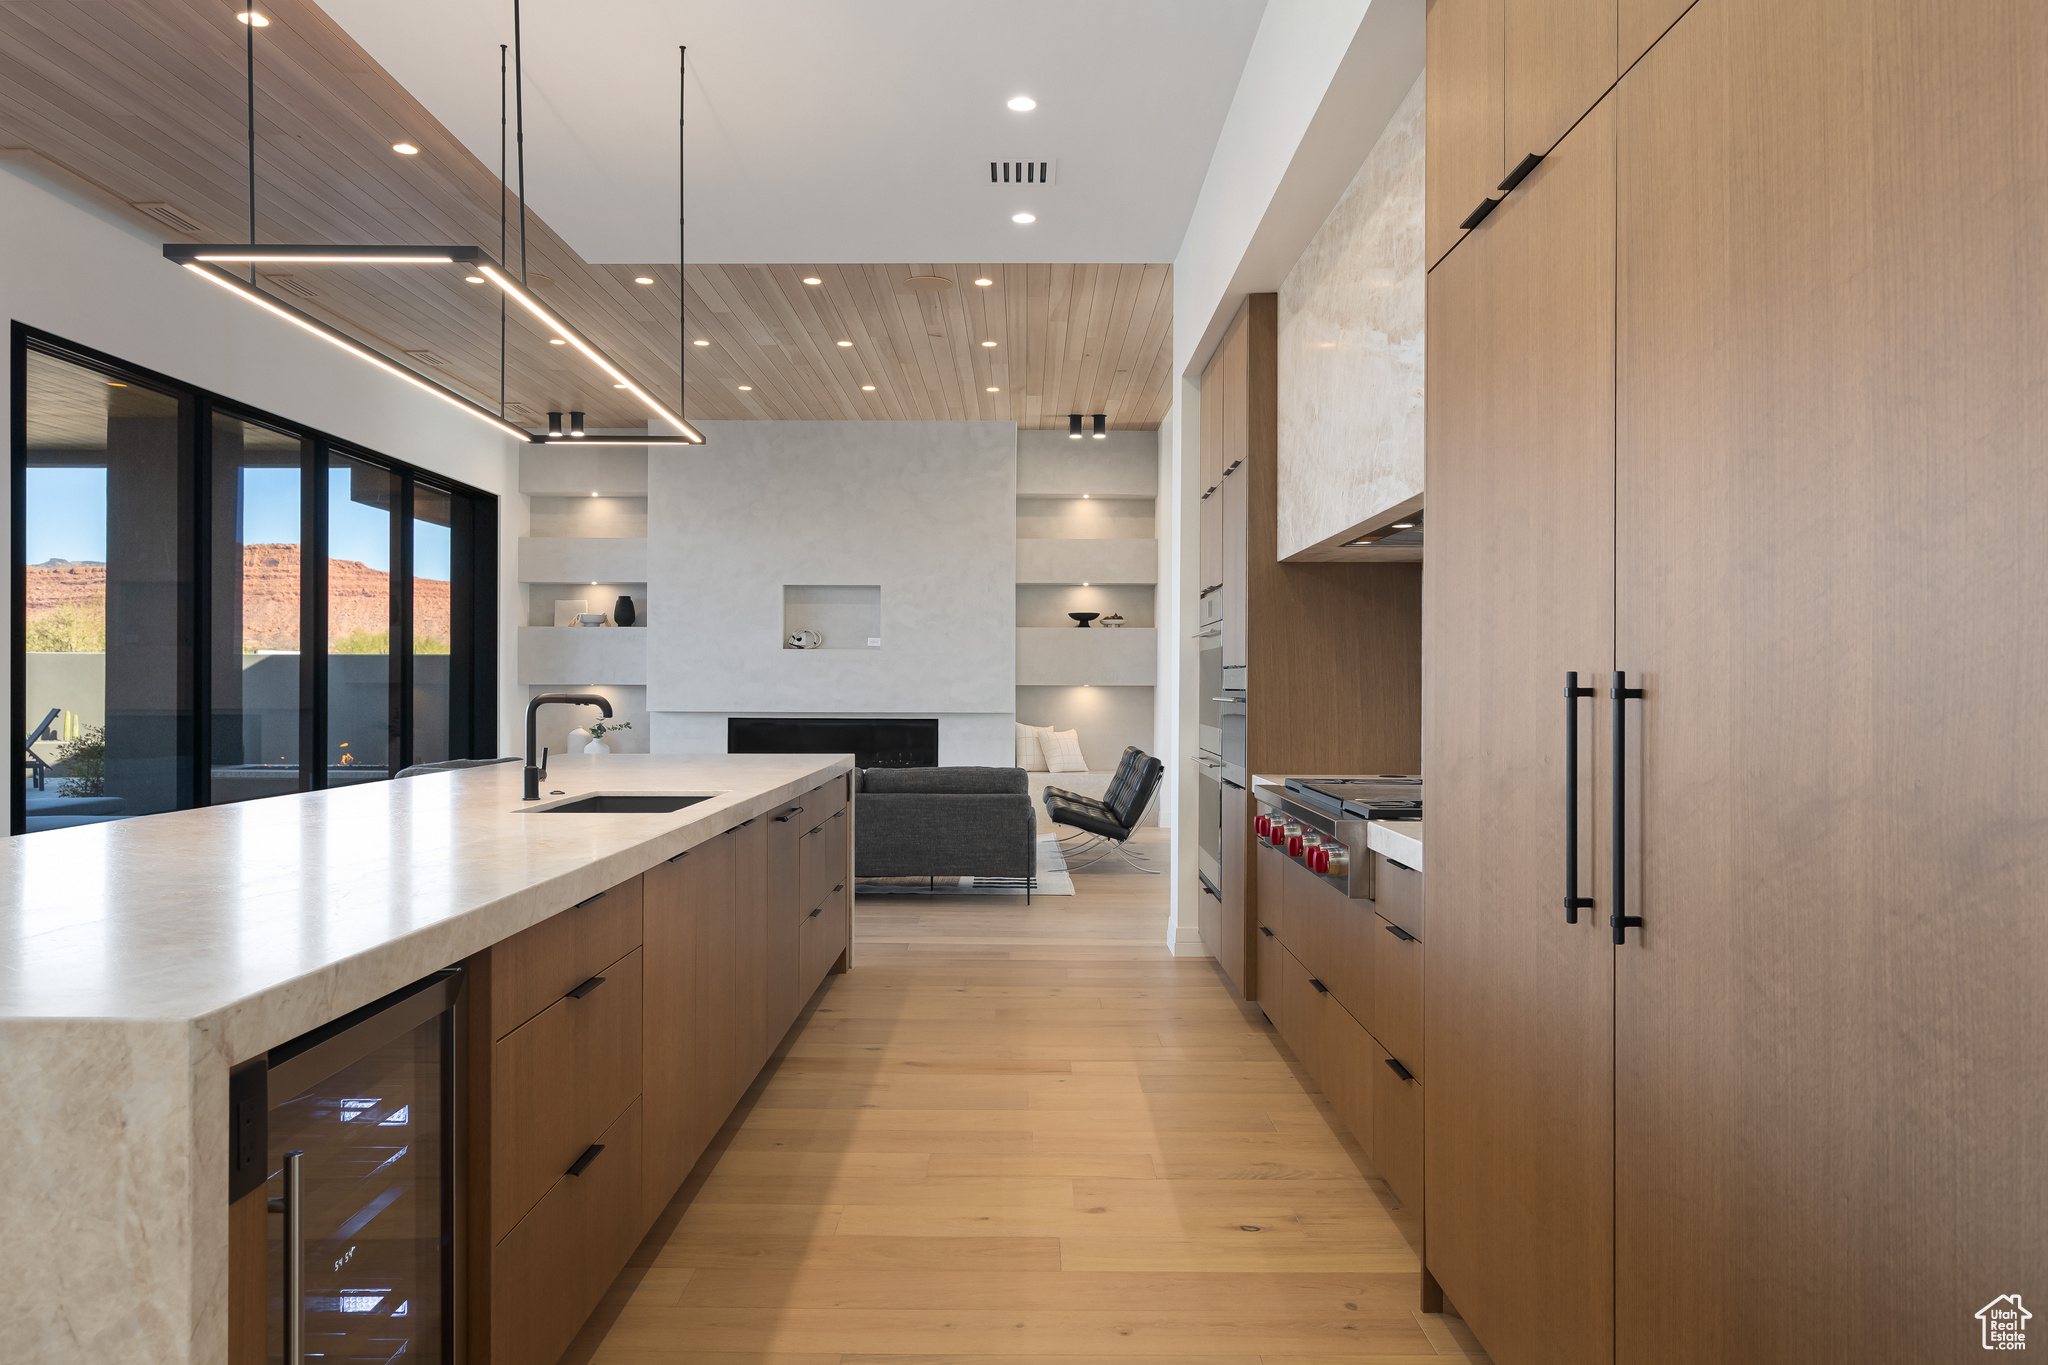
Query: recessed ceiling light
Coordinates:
[1084,583]
[405,149]
[1085,495]
[746,388]
[700,343]
[253,19]
[115,384]
[867,388]
[846,343]
[1404,526]
[618,386]
[1023,217]
[593,494]
[474,279]
[993,389]
[1023,104]
[812,279]
[556,341]
[643,279]
[988,343]
[984,283]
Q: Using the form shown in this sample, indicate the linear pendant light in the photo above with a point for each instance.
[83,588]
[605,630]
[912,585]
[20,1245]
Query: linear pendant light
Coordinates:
[206,258]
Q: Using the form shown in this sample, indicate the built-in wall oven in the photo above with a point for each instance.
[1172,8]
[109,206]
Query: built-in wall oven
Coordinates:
[352,1128]
[1209,760]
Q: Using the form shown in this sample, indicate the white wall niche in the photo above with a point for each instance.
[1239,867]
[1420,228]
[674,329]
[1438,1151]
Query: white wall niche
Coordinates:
[842,615]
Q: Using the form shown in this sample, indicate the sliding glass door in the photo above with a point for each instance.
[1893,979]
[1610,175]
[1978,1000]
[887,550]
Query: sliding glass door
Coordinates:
[195,580]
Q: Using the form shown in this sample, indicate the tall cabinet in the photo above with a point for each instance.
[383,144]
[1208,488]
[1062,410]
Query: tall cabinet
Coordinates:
[1739,394]
[1326,655]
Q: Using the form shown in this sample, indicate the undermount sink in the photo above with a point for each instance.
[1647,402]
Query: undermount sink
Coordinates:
[615,803]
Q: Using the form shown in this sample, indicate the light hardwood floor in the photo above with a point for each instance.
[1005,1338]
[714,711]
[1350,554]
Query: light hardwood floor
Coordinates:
[1027,1135]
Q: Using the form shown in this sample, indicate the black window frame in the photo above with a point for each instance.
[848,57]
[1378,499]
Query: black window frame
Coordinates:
[473,588]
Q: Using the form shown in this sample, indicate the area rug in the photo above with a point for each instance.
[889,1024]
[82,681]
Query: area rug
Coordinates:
[1052,880]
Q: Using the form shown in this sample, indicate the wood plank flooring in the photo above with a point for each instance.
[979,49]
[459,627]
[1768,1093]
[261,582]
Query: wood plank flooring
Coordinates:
[1027,1136]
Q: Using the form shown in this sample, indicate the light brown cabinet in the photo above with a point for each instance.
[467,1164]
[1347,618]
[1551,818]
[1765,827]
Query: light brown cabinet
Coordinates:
[1327,654]
[1466,150]
[1740,393]
[1560,58]
[612,1042]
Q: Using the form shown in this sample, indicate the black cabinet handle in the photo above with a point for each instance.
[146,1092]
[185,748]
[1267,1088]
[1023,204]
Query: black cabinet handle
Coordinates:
[598,897]
[1403,1072]
[582,1163]
[815,913]
[1398,932]
[1618,917]
[837,889]
[586,988]
[1264,930]
[1520,172]
[785,819]
[1573,901]
[1320,987]
[680,856]
[1478,215]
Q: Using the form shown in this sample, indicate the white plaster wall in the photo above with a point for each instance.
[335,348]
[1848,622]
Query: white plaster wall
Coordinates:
[1121,464]
[75,269]
[1351,350]
[927,510]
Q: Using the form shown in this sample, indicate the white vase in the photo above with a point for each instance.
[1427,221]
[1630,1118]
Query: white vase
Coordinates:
[597,746]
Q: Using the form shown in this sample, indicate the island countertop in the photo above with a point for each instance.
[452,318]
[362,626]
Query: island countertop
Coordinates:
[141,959]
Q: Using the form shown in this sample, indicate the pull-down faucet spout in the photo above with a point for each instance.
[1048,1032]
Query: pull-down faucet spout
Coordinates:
[537,765]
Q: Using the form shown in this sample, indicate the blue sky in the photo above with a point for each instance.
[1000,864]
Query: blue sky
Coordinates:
[67,519]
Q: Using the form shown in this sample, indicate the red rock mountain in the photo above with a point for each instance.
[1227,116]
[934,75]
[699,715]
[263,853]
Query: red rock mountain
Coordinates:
[357,596]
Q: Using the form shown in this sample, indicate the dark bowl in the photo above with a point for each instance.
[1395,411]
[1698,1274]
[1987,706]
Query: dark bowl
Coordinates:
[1082,618]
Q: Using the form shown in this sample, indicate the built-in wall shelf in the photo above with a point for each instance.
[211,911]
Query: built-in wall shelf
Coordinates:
[1051,657]
[562,471]
[1087,561]
[582,559]
[550,655]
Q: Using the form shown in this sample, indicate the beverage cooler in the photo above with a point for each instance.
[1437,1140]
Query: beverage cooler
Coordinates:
[345,1146]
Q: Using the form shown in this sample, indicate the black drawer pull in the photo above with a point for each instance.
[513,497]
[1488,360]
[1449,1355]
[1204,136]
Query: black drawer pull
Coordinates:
[837,889]
[815,913]
[589,1155]
[1319,985]
[680,856]
[1403,866]
[598,897]
[1264,930]
[744,823]
[1478,215]
[1520,172]
[1398,932]
[1403,1072]
[791,815]
[586,988]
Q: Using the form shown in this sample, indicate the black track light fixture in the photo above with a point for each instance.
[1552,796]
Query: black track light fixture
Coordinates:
[1073,426]
[575,424]
[554,424]
[1101,426]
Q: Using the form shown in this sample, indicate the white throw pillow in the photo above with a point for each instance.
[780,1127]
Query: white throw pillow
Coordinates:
[1063,752]
[1030,753]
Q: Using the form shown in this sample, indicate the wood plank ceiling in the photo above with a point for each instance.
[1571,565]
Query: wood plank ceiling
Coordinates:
[140,102]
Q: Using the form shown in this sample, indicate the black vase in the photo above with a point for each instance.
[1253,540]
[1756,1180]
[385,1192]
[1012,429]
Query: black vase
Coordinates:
[623,613]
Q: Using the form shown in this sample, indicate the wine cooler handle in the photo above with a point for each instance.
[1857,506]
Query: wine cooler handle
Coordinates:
[1618,916]
[1573,901]
[294,1261]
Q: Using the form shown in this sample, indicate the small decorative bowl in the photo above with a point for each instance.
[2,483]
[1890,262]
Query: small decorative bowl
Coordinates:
[1082,618]
[590,618]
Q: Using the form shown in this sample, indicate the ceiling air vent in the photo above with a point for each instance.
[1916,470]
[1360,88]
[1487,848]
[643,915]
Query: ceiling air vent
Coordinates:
[169,217]
[292,284]
[1023,172]
[428,358]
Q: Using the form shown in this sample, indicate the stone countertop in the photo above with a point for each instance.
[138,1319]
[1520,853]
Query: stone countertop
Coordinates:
[141,959]
[261,920]
[1400,840]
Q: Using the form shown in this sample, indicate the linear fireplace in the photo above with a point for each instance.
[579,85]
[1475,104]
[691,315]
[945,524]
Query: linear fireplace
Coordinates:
[873,743]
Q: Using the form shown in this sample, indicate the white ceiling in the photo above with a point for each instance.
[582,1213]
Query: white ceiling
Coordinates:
[826,131]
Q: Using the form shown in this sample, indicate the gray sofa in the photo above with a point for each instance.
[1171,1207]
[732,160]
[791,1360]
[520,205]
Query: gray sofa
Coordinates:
[944,822]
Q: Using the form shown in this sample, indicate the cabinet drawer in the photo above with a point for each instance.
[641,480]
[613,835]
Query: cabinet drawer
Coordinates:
[556,1082]
[1397,993]
[824,936]
[1397,893]
[1349,1059]
[1397,1131]
[552,1268]
[1272,995]
[1271,865]
[534,968]
[821,860]
[824,801]
[1301,1011]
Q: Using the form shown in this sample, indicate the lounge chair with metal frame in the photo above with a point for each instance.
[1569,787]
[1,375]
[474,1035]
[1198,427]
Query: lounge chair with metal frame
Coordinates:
[1108,824]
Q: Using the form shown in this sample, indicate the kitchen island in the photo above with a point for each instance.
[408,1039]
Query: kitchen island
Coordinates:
[144,960]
